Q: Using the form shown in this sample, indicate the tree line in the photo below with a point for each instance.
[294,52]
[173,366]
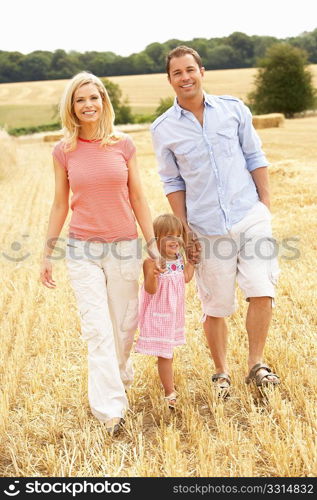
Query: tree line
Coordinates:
[237,50]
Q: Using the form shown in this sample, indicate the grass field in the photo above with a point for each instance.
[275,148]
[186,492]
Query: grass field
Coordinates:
[46,428]
[20,115]
[32,102]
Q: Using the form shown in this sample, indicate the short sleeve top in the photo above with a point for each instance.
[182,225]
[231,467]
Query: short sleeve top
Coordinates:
[98,178]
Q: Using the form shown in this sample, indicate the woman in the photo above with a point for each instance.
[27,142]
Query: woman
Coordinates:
[103,258]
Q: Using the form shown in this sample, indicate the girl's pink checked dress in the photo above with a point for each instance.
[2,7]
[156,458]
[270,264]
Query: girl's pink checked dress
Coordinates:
[162,314]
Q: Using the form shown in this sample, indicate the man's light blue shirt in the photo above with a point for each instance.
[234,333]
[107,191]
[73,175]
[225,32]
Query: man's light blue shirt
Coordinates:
[212,163]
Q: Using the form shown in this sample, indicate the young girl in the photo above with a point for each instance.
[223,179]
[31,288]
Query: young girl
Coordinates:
[162,317]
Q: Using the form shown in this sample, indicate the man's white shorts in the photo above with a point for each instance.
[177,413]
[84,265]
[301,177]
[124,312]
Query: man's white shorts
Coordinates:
[247,253]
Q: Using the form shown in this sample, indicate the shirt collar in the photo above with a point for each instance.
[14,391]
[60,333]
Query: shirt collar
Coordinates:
[208,100]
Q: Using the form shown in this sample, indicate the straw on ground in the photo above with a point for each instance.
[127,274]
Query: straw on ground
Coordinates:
[46,427]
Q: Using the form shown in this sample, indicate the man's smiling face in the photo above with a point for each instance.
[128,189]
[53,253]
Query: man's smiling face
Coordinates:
[186,77]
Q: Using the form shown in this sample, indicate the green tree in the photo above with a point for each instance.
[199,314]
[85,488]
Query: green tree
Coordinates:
[261,44]
[121,108]
[10,67]
[165,104]
[62,65]
[220,57]
[307,41]
[35,66]
[142,63]
[99,63]
[201,45]
[157,53]
[243,48]
[283,82]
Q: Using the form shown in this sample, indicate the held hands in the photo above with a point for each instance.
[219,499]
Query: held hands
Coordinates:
[46,274]
[193,248]
[160,265]
[158,260]
[153,269]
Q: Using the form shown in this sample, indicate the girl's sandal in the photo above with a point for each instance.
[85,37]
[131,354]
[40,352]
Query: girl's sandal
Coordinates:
[222,383]
[171,400]
[261,380]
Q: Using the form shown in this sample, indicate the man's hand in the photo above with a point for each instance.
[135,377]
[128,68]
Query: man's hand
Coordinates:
[266,201]
[260,178]
[193,248]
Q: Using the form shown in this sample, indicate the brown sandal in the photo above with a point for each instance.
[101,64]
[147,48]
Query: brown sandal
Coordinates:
[222,386]
[258,379]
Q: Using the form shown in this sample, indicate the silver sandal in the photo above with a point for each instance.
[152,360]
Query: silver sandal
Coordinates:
[222,383]
[171,400]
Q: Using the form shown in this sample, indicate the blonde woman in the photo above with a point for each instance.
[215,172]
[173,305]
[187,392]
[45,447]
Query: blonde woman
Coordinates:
[103,256]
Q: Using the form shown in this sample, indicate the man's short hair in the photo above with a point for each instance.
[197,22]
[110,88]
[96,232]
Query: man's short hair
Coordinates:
[181,51]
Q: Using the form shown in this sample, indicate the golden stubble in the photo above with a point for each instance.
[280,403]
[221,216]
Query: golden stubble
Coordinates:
[46,428]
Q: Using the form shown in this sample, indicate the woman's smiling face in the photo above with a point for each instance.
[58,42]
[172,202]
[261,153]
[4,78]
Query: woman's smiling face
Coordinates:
[87,104]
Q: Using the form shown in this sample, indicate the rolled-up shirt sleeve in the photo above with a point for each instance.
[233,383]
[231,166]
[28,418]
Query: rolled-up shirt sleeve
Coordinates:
[167,166]
[250,142]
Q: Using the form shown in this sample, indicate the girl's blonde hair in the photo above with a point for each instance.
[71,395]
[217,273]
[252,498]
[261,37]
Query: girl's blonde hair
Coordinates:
[168,224]
[70,123]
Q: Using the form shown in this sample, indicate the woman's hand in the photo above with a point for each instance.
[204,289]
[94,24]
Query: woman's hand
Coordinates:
[46,273]
[156,257]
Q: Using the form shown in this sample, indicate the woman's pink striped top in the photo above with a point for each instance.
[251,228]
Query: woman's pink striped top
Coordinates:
[98,178]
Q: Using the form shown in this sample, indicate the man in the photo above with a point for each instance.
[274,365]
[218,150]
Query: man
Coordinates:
[215,177]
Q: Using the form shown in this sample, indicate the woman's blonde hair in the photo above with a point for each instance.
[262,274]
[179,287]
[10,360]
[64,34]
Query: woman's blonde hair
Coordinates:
[70,123]
[168,224]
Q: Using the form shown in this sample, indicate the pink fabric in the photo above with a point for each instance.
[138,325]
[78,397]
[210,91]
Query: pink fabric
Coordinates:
[98,178]
[162,315]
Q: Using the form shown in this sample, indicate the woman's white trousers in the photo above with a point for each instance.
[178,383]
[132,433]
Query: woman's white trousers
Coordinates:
[104,277]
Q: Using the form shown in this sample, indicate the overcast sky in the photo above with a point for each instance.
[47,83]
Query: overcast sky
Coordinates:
[127,26]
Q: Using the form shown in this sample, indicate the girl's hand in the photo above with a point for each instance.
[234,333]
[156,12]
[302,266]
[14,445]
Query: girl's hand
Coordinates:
[157,266]
[156,272]
[46,274]
[151,274]
[160,265]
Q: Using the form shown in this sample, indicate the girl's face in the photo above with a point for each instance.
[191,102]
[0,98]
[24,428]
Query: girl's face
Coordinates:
[88,104]
[169,245]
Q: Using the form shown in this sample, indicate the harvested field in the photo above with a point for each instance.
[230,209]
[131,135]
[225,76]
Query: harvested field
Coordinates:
[8,157]
[46,428]
[143,91]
